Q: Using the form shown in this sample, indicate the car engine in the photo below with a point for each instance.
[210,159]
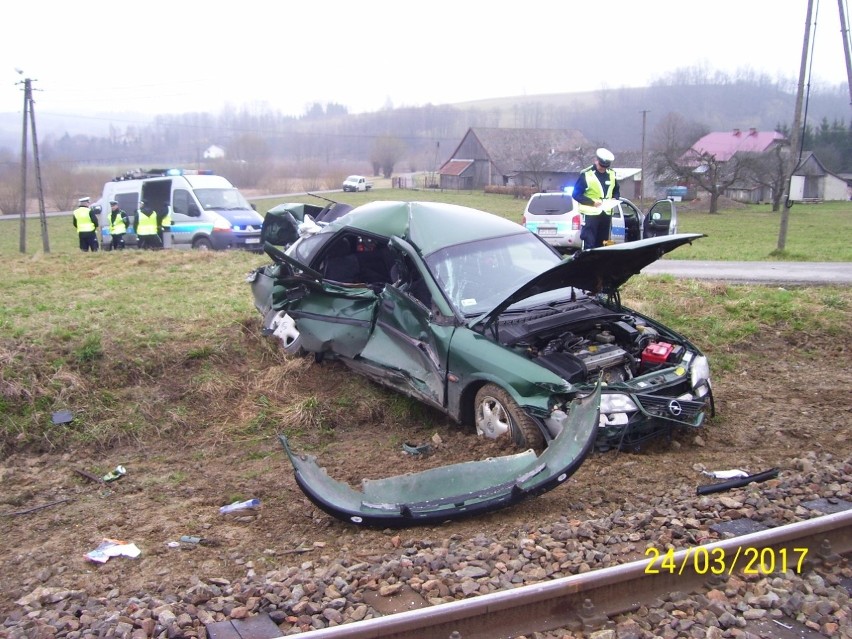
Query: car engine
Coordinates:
[615,348]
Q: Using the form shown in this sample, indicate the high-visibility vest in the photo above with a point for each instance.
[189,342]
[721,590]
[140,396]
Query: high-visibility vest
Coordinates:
[167,218]
[84,222]
[117,226]
[594,191]
[147,223]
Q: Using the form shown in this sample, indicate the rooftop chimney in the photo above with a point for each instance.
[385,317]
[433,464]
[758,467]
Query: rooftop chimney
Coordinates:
[752,131]
[736,132]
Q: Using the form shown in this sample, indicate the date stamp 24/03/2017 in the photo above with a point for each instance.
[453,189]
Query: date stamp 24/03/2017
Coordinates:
[718,561]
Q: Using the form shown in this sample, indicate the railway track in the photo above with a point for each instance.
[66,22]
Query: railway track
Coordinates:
[587,602]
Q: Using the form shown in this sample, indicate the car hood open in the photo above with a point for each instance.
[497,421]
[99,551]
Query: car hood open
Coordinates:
[458,490]
[600,270]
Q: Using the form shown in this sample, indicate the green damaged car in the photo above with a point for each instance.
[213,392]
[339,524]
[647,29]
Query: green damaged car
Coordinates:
[475,315]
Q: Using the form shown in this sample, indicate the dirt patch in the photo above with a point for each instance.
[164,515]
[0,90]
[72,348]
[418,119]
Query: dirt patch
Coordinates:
[788,396]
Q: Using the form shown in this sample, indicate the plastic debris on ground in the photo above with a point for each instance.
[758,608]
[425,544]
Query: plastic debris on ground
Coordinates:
[117,473]
[62,417]
[249,504]
[417,449]
[725,474]
[109,548]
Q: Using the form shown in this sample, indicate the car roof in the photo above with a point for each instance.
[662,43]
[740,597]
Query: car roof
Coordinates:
[429,226]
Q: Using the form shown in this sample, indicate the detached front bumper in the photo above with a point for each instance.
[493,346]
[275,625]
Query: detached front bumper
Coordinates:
[458,490]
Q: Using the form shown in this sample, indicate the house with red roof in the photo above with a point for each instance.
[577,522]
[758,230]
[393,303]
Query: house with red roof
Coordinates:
[738,163]
[723,145]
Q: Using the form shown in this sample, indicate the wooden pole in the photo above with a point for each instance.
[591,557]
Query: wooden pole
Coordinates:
[795,133]
[847,53]
[22,243]
[42,216]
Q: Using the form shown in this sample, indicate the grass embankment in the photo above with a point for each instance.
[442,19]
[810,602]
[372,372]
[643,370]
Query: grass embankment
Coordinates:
[142,345]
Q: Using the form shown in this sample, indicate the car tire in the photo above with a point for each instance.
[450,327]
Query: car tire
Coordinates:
[496,414]
[202,244]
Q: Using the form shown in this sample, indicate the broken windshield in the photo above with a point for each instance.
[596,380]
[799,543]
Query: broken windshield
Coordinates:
[476,276]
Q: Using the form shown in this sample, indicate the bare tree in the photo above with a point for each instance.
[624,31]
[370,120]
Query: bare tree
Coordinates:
[535,163]
[769,170]
[63,185]
[10,195]
[387,151]
[673,154]
[713,175]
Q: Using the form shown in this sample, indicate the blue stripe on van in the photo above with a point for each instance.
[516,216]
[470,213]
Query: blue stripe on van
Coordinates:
[191,228]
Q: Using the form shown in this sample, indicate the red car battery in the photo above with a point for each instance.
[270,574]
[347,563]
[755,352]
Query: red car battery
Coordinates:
[656,353]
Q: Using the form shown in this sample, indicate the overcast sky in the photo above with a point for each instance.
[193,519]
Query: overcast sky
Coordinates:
[93,57]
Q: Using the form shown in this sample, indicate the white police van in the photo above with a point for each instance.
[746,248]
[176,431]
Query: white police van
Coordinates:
[207,211]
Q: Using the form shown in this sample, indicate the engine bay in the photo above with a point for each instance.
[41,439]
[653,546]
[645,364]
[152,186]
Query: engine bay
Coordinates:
[615,347]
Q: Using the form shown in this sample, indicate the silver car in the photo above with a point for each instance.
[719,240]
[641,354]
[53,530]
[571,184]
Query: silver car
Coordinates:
[556,218]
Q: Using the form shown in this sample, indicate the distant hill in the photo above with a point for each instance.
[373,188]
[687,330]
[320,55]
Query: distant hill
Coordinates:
[610,117]
[614,117]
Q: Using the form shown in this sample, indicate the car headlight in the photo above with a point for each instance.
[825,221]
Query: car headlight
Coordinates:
[617,403]
[699,375]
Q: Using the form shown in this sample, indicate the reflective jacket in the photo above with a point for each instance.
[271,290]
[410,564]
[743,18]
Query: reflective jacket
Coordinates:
[166,222]
[83,218]
[595,191]
[147,223]
[118,223]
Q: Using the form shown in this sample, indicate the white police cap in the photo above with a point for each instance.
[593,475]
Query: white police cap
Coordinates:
[84,200]
[604,156]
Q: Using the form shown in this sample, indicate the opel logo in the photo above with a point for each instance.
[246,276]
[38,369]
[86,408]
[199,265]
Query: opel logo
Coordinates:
[675,408]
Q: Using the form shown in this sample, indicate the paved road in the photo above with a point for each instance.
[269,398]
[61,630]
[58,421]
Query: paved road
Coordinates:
[821,273]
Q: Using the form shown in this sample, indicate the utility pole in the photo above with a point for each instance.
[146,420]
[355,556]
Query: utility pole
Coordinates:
[22,243]
[844,31]
[42,216]
[29,112]
[644,112]
[795,132]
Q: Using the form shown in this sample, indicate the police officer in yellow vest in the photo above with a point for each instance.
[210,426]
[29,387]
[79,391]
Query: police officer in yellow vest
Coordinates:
[118,223]
[147,227]
[164,216]
[596,184]
[85,219]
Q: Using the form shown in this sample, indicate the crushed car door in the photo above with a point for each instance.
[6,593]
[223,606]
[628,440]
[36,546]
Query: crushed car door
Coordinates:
[661,219]
[330,316]
[407,342]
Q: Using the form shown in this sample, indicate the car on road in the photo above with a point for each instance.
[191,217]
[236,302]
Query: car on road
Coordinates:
[554,216]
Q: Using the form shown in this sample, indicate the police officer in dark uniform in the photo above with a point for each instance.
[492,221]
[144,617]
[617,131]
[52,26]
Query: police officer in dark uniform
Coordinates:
[85,220]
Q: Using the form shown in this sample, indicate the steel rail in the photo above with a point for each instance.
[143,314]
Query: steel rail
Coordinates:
[586,601]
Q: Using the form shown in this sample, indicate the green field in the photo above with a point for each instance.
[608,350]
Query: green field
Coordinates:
[816,233]
[142,343]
